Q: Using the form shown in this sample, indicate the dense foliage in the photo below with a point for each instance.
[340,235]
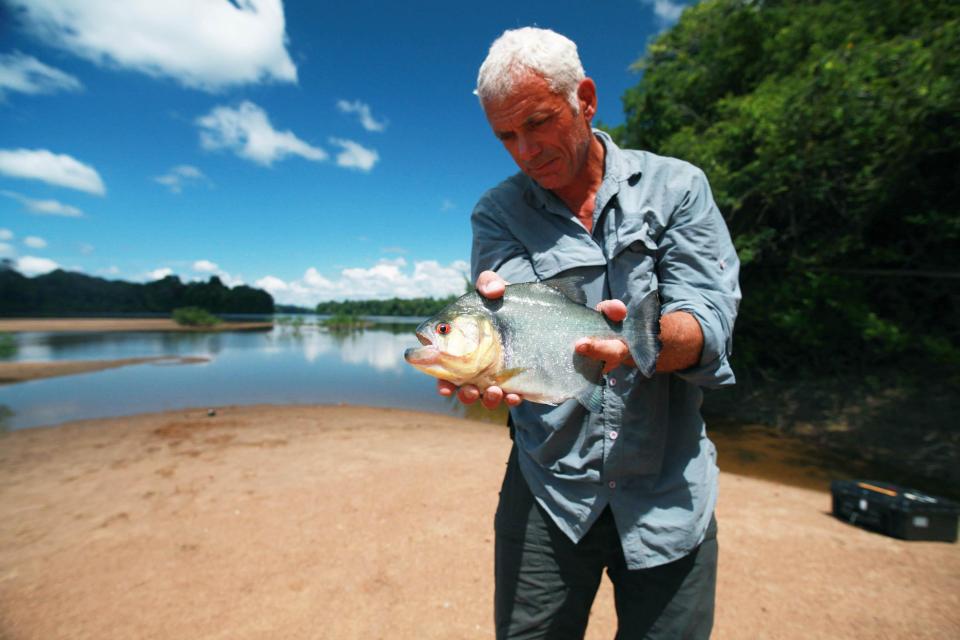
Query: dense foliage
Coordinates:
[194,317]
[830,132]
[60,292]
[391,307]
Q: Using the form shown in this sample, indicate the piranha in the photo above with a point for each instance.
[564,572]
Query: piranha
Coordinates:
[524,342]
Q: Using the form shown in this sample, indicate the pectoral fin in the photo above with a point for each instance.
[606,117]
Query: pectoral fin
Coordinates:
[507,374]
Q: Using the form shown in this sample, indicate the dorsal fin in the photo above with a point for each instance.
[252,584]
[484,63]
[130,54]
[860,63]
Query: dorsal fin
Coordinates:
[570,286]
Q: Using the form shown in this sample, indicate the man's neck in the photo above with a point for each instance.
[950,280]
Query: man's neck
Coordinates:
[580,194]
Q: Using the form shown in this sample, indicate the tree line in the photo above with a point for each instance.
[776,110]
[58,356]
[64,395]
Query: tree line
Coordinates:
[830,133]
[60,292]
[391,307]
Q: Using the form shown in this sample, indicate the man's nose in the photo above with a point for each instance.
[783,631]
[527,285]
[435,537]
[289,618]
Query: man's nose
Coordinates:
[527,147]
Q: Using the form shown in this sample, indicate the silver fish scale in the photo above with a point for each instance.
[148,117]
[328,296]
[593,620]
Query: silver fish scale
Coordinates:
[539,327]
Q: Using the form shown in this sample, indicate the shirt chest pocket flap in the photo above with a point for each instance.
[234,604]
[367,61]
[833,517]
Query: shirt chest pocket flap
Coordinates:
[552,256]
[633,258]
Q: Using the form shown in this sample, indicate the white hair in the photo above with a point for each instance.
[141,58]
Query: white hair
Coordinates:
[519,51]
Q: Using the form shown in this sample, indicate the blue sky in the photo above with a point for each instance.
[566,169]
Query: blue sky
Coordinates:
[318,150]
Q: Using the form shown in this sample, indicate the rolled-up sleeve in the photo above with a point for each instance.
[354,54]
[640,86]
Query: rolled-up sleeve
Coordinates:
[697,269]
[495,248]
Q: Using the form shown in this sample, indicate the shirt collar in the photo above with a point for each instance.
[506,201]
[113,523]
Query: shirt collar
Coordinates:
[618,167]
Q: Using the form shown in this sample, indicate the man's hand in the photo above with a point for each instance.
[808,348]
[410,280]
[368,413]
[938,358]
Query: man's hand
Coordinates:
[612,351]
[491,286]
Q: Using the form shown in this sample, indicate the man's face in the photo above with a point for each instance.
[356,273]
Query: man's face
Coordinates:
[540,130]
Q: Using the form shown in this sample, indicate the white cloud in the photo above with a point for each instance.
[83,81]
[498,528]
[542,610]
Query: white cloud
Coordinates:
[667,11]
[204,44]
[385,279]
[6,234]
[355,156]
[213,269]
[205,266]
[32,266]
[363,113]
[271,283]
[26,74]
[160,274]
[86,248]
[110,271]
[35,242]
[7,250]
[44,207]
[447,205]
[247,131]
[56,169]
[180,176]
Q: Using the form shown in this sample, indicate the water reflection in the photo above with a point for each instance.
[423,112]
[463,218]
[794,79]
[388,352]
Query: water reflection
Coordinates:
[296,362]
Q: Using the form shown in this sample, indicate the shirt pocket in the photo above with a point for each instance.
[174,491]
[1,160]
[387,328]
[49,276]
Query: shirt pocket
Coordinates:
[631,269]
[563,253]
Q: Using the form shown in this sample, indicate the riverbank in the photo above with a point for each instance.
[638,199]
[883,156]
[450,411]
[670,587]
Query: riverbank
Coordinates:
[17,325]
[343,522]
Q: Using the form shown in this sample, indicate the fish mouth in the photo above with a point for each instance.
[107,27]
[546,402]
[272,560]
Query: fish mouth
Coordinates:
[425,355]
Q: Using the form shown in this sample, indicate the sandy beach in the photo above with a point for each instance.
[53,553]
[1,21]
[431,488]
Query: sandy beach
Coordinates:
[349,522]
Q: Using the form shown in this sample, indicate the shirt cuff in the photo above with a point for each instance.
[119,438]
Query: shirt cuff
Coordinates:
[713,369]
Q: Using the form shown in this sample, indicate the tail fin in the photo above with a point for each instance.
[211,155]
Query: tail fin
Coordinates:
[641,330]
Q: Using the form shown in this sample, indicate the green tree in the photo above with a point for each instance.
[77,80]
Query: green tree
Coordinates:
[830,132]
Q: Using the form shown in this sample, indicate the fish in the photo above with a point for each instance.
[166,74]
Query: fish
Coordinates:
[524,341]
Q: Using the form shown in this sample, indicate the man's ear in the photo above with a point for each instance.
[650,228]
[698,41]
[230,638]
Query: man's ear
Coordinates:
[587,96]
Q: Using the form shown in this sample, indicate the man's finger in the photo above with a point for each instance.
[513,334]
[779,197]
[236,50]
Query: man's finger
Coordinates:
[612,352]
[468,394]
[512,399]
[492,397]
[445,388]
[491,285]
[615,310]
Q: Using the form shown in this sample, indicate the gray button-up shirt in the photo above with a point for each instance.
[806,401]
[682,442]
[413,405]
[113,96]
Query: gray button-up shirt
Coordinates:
[646,454]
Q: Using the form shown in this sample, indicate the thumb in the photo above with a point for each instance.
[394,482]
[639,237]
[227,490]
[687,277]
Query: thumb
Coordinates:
[615,310]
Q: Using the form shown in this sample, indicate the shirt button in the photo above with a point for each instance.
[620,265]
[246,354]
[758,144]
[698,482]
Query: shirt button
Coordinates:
[613,382]
[613,435]
[612,484]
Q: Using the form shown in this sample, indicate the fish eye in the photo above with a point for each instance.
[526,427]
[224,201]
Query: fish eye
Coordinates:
[443,328]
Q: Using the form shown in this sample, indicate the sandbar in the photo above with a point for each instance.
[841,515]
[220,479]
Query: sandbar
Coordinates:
[13,325]
[350,522]
[23,371]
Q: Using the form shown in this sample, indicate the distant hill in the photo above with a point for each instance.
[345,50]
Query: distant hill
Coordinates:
[61,293]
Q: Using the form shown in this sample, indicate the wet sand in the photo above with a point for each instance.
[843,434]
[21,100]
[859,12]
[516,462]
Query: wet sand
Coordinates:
[344,522]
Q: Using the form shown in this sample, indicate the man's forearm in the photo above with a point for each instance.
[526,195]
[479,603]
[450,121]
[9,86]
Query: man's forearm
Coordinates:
[682,340]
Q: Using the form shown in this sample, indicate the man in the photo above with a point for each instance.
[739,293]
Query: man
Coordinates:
[631,488]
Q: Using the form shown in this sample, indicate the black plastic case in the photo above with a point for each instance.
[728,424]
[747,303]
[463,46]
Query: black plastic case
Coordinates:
[894,510]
